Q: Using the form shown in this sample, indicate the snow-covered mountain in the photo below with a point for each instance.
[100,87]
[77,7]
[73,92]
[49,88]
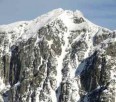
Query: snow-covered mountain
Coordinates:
[58,57]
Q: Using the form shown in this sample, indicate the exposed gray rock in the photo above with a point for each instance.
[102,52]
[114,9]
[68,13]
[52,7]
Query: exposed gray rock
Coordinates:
[59,57]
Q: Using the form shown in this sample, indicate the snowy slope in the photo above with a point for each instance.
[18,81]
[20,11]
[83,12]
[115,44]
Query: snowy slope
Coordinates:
[58,57]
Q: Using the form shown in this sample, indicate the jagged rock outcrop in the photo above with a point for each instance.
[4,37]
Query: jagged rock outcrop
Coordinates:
[58,57]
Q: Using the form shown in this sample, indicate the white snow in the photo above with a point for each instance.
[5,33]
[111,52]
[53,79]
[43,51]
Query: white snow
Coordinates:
[37,95]
[75,88]
[52,93]
[72,71]
[60,60]
[50,43]
[78,14]
[2,85]
[28,29]
[35,25]
[17,84]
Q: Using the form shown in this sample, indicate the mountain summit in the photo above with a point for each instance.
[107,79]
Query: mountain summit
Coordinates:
[58,57]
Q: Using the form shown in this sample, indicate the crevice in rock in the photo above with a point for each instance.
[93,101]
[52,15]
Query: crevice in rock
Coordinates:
[15,66]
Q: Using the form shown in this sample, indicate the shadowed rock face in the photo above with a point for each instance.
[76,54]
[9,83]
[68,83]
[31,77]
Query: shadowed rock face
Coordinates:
[68,59]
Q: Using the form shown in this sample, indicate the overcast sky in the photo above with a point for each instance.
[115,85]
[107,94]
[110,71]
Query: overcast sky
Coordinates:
[100,12]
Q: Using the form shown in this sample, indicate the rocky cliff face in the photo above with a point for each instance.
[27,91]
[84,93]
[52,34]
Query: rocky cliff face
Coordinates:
[58,57]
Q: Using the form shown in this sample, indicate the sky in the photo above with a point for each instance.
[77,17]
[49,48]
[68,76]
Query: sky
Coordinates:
[100,12]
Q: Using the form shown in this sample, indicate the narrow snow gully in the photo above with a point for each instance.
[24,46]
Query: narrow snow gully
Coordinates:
[60,61]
